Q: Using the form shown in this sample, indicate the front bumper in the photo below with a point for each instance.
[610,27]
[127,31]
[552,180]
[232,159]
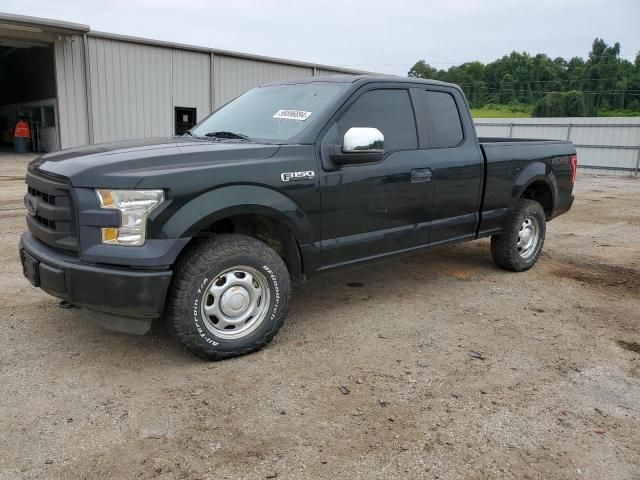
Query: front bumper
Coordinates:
[116,291]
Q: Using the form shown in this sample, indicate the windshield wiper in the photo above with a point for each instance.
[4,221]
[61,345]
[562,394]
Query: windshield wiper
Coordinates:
[230,135]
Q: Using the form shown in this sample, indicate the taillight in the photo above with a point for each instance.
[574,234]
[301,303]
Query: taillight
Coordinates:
[573,163]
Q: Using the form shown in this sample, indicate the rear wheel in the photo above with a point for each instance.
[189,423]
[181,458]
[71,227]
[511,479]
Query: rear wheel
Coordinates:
[519,247]
[229,296]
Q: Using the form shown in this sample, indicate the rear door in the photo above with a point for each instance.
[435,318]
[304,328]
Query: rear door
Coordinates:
[450,150]
[370,210]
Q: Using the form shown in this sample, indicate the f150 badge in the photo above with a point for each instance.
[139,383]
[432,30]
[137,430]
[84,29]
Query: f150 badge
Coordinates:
[289,176]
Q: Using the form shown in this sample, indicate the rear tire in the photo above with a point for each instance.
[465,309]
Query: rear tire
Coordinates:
[229,296]
[519,247]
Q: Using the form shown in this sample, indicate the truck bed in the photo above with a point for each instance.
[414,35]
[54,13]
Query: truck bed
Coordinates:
[509,161]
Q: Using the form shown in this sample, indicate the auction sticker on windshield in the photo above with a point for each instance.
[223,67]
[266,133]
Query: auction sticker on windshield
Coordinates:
[292,114]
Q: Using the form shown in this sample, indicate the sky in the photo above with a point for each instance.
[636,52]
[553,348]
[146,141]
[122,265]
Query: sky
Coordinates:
[373,35]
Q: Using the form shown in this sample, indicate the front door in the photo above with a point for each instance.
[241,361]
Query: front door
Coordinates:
[369,210]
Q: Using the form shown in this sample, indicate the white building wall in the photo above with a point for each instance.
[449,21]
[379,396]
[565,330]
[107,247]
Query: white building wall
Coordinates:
[321,72]
[235,75]
[130,90]
[70,84]
[192,81]
[114,87]
[133,86]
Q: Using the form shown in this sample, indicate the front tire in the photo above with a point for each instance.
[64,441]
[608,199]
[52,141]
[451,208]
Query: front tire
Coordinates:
[229,296]
[519,247]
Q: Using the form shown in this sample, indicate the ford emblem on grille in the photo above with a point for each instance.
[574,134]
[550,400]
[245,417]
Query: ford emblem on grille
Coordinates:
[32,205]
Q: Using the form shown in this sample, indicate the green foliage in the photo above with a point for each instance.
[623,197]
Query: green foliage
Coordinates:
[422,70]
[561,104]
[551,105]
[494,110]
[603,82]
[574,104]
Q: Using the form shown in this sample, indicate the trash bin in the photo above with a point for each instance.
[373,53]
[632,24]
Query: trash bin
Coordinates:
[21,144]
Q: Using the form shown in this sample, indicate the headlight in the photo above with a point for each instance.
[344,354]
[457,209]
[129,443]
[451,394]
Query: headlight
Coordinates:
[134,206]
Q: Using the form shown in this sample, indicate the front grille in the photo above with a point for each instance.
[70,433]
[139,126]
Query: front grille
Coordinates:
[47,223]
[44,196]
[54,218]
[74,218]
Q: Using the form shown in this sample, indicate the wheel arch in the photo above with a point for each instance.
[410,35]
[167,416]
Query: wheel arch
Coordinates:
[537,182]
[254,211]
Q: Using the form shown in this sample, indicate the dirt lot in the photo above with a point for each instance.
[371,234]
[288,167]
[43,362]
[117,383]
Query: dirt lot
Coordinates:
[374,380]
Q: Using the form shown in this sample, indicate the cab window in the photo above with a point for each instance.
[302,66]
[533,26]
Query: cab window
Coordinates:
[390,112]
[438,118]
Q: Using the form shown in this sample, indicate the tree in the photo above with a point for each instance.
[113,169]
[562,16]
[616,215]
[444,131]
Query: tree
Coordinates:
[423,70]
[602,72]
[551,105]
[601,81]
[561,104]
[574,104]
[470,76]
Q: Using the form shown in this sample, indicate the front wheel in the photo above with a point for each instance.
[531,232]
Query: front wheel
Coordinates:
[229,296]
[519,247]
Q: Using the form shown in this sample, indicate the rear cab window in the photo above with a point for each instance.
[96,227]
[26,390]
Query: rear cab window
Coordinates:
[438,119]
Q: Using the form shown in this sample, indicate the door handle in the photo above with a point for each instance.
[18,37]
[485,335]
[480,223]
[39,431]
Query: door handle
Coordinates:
[421,175]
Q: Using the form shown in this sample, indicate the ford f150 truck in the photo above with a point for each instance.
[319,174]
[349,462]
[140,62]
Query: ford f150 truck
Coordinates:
[210,230]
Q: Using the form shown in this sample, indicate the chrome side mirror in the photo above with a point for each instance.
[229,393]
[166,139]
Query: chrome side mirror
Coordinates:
[363,140]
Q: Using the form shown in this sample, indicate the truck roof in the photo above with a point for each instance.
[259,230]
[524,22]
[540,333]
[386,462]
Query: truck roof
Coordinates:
[361,79]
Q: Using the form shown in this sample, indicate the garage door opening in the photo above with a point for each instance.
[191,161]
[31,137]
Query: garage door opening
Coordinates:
[28,90]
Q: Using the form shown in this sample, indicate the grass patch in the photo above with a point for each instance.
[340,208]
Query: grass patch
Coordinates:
[493,110]
[505,112]
[618,113]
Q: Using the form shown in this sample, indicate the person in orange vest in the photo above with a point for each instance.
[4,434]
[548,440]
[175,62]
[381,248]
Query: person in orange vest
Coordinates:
[21,136]
[22,129]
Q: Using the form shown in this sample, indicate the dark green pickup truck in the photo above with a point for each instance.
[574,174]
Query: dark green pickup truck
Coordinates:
[210,230]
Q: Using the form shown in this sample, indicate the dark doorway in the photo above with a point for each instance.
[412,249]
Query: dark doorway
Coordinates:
[28,91]
[185,119]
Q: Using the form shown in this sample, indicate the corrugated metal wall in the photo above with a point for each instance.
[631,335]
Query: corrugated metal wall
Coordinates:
[605,145]
[192,81]
[323,71]
[234,75]
[133,86]
[130,90]
[70,83]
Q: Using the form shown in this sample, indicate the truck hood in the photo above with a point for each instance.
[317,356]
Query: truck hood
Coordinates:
[128,164]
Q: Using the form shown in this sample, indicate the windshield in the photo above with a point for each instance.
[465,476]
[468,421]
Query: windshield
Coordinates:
[275,113]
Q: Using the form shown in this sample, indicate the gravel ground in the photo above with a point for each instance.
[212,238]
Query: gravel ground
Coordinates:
[437,365]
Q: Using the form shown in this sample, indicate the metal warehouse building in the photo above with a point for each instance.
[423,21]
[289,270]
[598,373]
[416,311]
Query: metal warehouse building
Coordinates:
[78,87]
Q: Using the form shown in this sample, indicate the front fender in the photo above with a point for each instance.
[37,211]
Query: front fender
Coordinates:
[535,172]
[214,205]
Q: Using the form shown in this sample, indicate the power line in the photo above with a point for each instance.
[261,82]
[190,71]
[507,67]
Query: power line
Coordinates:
[566,80]
[590,91]
[532,57]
